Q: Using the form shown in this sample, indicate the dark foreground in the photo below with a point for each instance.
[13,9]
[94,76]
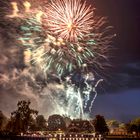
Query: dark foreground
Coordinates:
[64,138]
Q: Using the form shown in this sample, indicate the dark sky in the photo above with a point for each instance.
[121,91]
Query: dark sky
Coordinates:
[124,101]
[121,99]
[125,17]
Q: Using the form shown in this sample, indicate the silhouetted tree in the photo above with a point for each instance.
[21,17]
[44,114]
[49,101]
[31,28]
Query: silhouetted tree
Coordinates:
[56,122]
[41,123]
[133,126]
[67,120]
[3,121]
[100,125]
[128,127]
[79,126]
[22,118]
[136,122]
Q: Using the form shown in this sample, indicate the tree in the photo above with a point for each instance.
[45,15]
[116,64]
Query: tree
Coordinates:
[100,124]
[67,120]
[133,126]
[80,126]
[3,121]
[41,123]
[136,121]
[22,118]
[128,127]
[113,123]
[56,122]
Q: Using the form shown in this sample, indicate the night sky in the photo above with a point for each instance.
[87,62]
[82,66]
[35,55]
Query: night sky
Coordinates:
[123,102]
[120,96]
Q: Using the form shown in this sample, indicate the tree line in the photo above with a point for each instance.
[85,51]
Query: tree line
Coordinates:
[25,119]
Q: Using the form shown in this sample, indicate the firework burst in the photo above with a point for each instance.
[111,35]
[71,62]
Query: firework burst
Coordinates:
[69,19]
[63,37]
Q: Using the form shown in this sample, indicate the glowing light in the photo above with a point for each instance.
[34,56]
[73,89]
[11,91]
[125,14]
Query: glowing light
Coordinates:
[84,65]
[68,78]
[15,10]
[70,26]
[27,56]
[80,49]
[53,51]
[27,6]
[39,15]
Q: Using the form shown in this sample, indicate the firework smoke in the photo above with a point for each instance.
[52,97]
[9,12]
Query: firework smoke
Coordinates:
[51,49]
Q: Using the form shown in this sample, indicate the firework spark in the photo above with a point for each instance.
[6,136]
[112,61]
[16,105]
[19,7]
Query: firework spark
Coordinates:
[27,6]
[15,12]
[69,19]
[64,37]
